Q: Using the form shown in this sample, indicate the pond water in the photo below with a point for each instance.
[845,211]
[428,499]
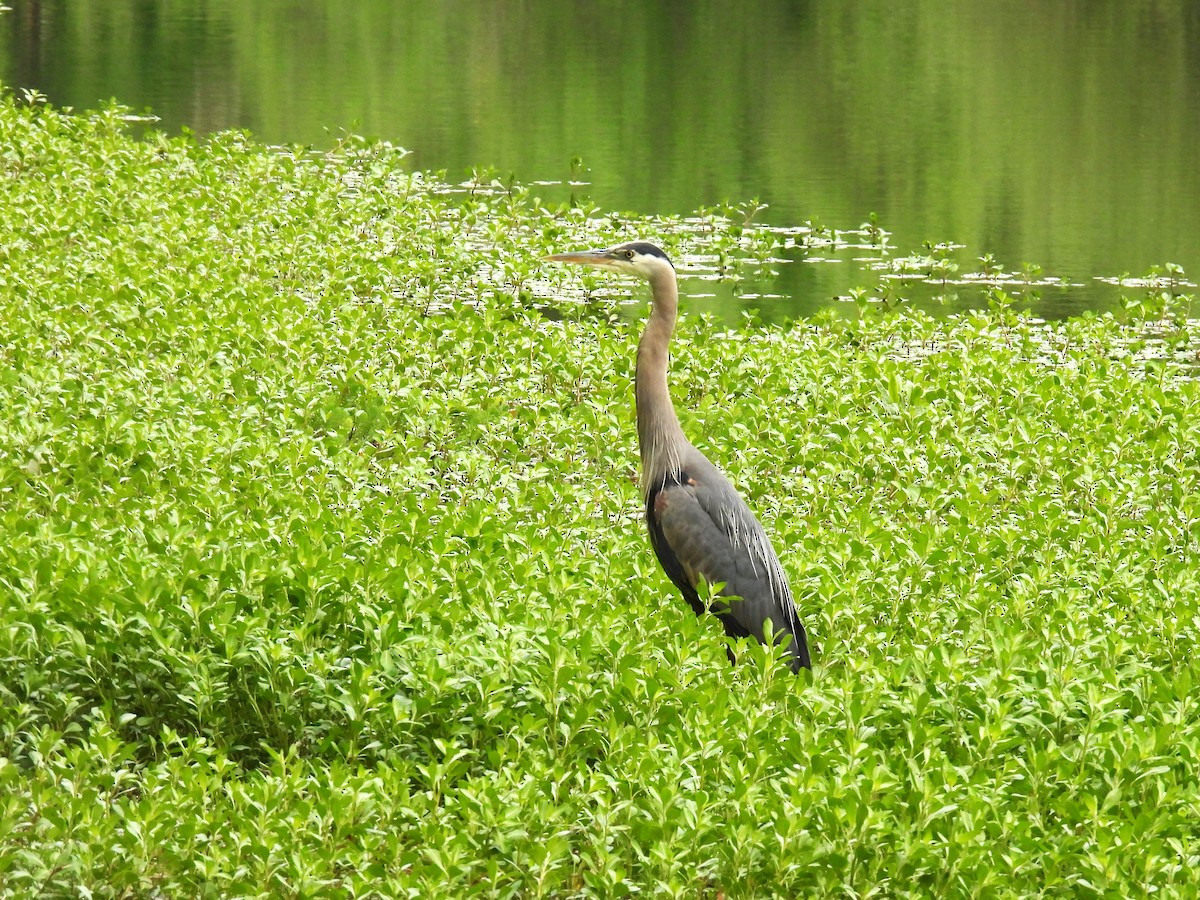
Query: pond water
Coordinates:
[1063,135]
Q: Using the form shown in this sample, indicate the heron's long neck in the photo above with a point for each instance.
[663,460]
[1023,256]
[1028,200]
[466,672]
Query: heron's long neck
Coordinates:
[659,435]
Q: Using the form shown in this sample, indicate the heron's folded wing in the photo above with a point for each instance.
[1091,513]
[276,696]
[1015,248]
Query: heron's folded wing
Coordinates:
[704,544]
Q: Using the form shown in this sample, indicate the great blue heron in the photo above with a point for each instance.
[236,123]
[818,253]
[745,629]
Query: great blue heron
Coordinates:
[699,524]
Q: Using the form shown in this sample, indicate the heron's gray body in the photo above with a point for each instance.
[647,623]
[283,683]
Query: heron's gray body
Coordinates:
[700,527]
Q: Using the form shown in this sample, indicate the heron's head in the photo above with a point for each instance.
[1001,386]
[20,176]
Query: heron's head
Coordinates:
[636,258]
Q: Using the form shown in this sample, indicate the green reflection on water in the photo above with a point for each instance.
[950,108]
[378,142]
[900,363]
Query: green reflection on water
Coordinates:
[1062,134]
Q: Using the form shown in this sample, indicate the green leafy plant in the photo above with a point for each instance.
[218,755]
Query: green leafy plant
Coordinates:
[323,570]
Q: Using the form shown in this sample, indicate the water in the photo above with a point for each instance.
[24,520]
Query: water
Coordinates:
[1062,135]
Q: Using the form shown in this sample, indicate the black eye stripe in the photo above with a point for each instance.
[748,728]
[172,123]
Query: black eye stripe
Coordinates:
[641,249]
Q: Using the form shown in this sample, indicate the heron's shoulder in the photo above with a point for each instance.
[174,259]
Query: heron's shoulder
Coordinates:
[695,461]
[709,479]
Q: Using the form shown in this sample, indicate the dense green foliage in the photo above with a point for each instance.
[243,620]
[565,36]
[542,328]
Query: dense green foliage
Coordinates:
[308,588]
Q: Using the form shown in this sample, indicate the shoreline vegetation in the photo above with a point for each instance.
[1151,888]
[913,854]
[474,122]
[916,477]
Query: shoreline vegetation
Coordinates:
[323,571]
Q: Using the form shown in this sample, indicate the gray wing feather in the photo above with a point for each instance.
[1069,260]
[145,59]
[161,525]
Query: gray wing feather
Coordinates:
[713,533]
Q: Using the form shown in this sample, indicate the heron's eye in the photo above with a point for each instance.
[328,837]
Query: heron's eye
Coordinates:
[629,254]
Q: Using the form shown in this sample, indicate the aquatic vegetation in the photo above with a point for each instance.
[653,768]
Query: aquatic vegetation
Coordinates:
[323,568]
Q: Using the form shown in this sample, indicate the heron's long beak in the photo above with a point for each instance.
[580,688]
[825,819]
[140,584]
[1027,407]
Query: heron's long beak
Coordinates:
[598,258]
